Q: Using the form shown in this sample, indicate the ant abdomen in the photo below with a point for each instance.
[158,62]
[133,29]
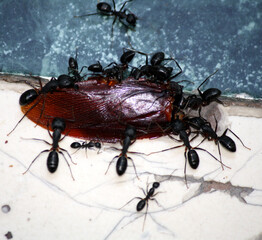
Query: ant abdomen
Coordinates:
[193,159]
[121,165]
[52,161]
[141,204]
[28,97]
[228,143]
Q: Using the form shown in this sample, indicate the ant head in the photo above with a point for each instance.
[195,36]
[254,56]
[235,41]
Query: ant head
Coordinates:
[73,63]
[177,125]
[65,81]
[156,184]
[58,123]
[130,132]
[131,19]
[98,145]
[104,7]
[27,97]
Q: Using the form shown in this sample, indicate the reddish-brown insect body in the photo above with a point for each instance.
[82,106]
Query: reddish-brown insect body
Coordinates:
[101,108]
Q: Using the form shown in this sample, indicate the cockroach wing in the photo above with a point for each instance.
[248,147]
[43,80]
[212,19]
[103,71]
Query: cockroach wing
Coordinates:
[101,108]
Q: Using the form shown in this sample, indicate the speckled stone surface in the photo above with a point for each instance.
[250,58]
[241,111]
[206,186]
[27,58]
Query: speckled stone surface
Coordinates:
[38,37]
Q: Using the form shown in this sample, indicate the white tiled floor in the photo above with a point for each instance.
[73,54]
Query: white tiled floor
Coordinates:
[219,204]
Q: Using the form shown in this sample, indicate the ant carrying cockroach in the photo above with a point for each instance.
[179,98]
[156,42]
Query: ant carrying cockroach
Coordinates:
[155,71]
[73,69]
[63,81]
[180,128]
[58,126]
[149,195]
[117,70]
[129,138]
[125,16]
[205,129]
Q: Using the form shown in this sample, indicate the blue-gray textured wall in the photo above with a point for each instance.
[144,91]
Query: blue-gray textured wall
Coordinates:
[39,36]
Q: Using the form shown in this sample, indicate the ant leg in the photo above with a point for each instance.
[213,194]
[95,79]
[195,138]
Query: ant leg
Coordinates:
[86,151]
[171,137]
[134,167]
[75,151]
[42,111]
[131,201]
[37,139]
[86,15]
[153,199]
[236,137]
[110,164]
[201,142]
[124,5]
[111,64]
[165,150]
[218,146]
[112,28]
[177,74]
[145,216]
[185,168]
[82,69]
[34,160]
[212,156]
[198,89]
[24,116]
[127,26]
[67,154]
[49,131]
[114,5]
[67,164]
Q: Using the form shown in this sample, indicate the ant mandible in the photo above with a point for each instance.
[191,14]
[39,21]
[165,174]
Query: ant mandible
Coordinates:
[58,126]
[123,14]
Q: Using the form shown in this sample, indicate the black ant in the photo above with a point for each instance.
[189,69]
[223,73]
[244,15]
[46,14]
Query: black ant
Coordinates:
[205,98]
[117,71]
[206,130]
[149,195]
[106,9]
[180,128]
[85,145]
[58,126]
[73,69]
[155,71]
[129,138]
[63,81]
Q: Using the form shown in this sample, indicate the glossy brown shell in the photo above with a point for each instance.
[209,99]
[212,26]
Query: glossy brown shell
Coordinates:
[100,109]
